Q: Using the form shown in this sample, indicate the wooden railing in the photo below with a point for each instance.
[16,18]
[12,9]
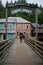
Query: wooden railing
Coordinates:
[4,45]
[37,46]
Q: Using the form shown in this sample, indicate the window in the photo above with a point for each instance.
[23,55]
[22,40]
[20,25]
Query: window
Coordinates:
[1,25]
[27,26]
[11,26]
[10,35]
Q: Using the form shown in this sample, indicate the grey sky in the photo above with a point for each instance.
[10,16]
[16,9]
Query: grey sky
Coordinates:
[40,2]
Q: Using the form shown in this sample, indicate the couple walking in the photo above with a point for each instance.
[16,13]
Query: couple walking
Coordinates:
[21,36]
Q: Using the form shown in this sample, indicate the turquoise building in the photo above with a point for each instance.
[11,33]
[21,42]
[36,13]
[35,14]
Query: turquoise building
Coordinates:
[11,28]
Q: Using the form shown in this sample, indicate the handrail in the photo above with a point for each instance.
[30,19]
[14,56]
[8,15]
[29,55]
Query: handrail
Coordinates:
[4,45]
[36,45]
[37,41]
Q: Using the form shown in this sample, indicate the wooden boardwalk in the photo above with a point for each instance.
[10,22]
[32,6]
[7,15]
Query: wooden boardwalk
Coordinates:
[21,54]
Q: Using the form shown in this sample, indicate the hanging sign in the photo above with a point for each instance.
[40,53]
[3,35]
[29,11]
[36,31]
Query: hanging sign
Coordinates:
[21,10]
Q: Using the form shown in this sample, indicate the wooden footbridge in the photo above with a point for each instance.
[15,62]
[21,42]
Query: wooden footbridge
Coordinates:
[29,52]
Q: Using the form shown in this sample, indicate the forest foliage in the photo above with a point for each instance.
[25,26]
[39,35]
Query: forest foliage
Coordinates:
[30,17]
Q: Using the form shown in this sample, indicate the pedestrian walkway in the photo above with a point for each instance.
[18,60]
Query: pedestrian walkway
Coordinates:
[21,54]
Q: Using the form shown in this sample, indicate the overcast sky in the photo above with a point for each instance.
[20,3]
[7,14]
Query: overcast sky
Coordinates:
[40,2]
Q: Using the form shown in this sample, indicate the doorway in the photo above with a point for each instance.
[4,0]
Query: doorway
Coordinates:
[4,36]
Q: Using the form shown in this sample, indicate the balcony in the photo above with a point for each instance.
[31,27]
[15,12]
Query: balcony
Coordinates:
[8,31]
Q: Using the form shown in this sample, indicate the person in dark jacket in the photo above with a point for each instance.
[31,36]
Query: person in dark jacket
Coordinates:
[20,36]
[23,36]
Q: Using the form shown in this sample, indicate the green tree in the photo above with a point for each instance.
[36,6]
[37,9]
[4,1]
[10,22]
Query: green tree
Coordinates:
[1,6]
[40,17]
[11,2]
[2,10]
[29,17]
[15,1]
[21,1]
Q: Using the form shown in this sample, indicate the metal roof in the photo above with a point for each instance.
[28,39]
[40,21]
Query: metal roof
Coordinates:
[15,20]
[34,24]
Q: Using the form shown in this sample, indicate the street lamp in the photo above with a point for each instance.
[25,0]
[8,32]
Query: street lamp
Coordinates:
[16,24]
[6,25]
[37,13]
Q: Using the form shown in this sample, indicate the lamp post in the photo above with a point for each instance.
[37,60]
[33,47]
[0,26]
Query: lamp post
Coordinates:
[37,13]
[6,24]
[36,24]
[16,25]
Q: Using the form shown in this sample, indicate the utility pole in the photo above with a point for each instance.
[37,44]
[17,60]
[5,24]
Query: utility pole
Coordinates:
[16,25]
[6,24]
[37,13]
[36,25]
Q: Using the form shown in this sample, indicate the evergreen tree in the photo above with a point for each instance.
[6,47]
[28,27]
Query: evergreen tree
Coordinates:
[15,1]
[2,10]
[40,17]
[1,6]
[21,1]
[29,17]
[11,2]
[6,3]
[0,2]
